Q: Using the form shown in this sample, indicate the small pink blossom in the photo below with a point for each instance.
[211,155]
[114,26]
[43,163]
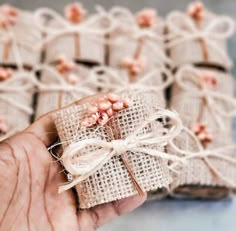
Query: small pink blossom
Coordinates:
[3,125]
[208,80]
[75,13]
[113,97]
[103,119]
[196,10]
[118,106]
[201,131]
[8,10]
[134,65]
[72,78]
[5,74]
[64,64]
[104,105]
[146,18]
[8,15]
[103,110]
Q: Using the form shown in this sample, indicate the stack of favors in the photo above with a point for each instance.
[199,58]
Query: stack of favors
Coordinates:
[202,94]
[72,45]
[18,56]
[125,141]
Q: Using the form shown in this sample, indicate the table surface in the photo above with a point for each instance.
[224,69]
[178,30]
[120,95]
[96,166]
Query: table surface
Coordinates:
[165,215]
[179,215]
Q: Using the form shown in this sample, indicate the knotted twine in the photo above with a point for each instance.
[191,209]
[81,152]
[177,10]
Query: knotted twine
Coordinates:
[183,32]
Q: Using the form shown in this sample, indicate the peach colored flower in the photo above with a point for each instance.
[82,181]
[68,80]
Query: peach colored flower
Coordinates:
[5,74]
[201,131]
[196,10]
[208,80]
[75,13]
[72,78]
[146,18]
[8,10]
[101,112]
[64,64]
[3,125]
[134,65]
[8,15]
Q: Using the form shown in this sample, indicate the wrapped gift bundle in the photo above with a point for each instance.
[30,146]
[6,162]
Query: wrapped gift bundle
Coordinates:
[16,91]
[136,43]
[203,99]
[62,83]
[107,79]
[19,38]
[125,153]
[199,37]
[76,35]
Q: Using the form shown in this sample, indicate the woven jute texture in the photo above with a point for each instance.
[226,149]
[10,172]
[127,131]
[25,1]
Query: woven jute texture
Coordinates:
[196,178]
[189,47]
[11,101]
[113,182]
[56,92]
[25,43]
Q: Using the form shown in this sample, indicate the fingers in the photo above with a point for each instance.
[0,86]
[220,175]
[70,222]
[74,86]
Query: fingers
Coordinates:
[44,127]
[95,217]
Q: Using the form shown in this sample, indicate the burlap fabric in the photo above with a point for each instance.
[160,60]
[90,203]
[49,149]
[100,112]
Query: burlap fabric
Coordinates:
[112,181]
[84,41]
[197,177]
[19,43]
[205,43]
[127,39]
[16,96]
[54,91]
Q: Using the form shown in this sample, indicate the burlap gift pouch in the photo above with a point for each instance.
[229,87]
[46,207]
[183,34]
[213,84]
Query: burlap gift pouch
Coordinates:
[16,91]
[62,83]
[77,35]
[136,42]
[123,157]
[19,38]
[203,99]
[199,37]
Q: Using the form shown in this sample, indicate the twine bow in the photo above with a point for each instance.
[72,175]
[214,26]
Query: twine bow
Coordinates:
[64,27]
[124,21]
[88,164]
[183,29]
[205,155]
[108,79]
[59,84]
[189,74]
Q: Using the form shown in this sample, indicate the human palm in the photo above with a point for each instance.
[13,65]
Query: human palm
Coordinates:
[29,179]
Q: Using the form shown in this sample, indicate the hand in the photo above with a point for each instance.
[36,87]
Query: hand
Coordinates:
[29,179]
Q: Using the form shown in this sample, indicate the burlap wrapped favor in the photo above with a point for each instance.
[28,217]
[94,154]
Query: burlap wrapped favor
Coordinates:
[112,179]
[108,79]
[19,38]
[202,42]
[55,91]
[211,171]
[84,40]
[135,47]
[16,95]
